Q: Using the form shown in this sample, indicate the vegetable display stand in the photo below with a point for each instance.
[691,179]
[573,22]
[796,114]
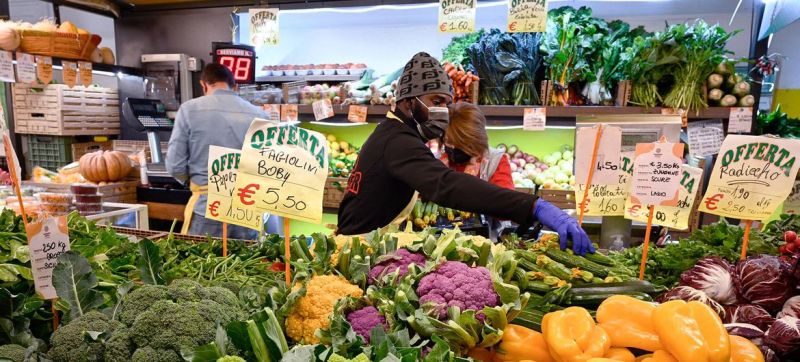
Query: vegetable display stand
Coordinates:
[127,215]
[123,191]
[57,110]
[563,199]
[80,149]
[49,152]
[334,191]
[139,234]
[547,92]
[58,44]
[623,93]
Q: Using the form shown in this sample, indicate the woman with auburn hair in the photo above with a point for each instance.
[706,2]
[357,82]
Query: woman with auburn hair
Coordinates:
[466,149]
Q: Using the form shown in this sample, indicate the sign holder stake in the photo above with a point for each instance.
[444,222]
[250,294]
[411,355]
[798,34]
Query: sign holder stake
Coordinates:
[746,238]
[582,208]
[224,239]
[646,245]
[287,253]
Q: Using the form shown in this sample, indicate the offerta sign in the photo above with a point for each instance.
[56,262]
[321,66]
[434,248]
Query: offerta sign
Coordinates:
[527,16]
[457,16]
[223,168]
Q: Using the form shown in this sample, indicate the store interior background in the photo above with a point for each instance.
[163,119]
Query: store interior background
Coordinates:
[385,37]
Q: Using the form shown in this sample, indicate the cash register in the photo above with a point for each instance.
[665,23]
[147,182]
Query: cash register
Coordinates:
[150,115]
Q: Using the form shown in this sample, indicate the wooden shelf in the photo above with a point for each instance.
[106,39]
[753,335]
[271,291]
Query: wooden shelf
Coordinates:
[307,78]
[111,68]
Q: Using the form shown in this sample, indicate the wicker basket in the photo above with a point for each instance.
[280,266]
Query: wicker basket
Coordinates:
[57,44]
[563,199]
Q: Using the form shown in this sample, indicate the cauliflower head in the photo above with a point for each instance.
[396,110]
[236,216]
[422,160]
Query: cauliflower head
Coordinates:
[231,359]
[69,343]
[312,311]
[455,284]
[365,319]
[12,352]
[401,260]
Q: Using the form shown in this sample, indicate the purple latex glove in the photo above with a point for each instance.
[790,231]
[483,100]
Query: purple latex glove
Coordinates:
[566,227]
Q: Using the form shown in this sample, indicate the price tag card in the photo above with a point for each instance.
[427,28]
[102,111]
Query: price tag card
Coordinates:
[677,112]
[357,114]
[47,239]
[223,166]
[69,72]
[264,27]
[85,71]
[273,111]
[527,16]
[705,138]
[6,67]
[608,200]
[606,169]
[26,68]
[289,113]
[740,120]
[674,217]
[457,16]
[282,172]
[792,203]
[656,174]
[753,175]
[44,69]
[534,119]
[322,109]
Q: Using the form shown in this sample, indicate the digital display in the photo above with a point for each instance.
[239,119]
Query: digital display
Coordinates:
[240,59]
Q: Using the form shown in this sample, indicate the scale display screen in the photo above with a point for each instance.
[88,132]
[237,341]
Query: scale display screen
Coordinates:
[240,59]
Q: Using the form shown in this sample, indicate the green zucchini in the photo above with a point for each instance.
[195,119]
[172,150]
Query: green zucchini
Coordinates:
[575,261]
[530,318]
[521,278]
[554,268]
[417,213]
[537,286]
[632,286]
[593,300]
[600,259]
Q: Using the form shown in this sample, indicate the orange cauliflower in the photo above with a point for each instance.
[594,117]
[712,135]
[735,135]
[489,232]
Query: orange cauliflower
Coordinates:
[312,311]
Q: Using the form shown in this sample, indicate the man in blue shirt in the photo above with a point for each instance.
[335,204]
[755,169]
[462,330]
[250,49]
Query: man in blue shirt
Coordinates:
[219,118]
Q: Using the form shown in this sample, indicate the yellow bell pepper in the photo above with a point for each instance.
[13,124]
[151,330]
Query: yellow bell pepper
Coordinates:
[572,336]
[602,359]
[620,354]
[629,323]
[692,332]
[657,356]
[742,350]
[481,354]
[520,343]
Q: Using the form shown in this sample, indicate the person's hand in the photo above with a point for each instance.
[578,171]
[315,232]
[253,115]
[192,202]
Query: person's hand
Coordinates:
[566,227]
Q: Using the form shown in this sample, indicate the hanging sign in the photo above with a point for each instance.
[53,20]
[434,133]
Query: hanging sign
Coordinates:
[740,120]
[656,174]
[534,119]
[26,68]
[357,114]
[282,171]
[223,165]
[264,29]
[322,109]
[527,16]
[753,175]
[69,72]
[47,239]
[289,113]
[673,217]
[85,71]
[457,16]
[608,200]
[606,167]
[6,67]
[705,137]
[44,69]
[273,111]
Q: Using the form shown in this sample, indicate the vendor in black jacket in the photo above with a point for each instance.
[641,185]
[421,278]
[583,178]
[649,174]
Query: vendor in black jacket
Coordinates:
[394,164]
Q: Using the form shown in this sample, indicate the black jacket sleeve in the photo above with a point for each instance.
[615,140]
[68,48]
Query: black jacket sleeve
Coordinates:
[408,159]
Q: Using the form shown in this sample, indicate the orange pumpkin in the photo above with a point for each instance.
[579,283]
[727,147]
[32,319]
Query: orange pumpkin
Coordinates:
[104,166]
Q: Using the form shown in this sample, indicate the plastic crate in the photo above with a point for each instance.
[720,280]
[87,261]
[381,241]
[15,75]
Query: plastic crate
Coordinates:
[50,152]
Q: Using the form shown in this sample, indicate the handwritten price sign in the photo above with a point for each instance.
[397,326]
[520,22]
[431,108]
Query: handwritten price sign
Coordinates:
[282,171]
[656,174]
[223,168]
[47,239]
[457,16]
[527,16]
[675,217]
[608,200]
[606,168]
[753,175]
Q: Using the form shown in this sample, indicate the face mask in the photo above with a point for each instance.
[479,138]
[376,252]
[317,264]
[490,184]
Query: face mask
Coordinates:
[456,155]
[434,127]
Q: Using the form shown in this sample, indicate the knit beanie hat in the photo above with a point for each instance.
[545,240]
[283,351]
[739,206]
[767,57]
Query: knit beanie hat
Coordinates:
[423,75]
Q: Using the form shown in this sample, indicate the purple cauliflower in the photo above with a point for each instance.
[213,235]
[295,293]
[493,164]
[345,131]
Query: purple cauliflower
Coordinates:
[455,284]
[400,260]
[365,319]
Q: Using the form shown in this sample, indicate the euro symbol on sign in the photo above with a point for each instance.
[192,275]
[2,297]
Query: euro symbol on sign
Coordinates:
[512,26]
[634,209]
[443,27]
[711,202]
[213,208]
[245,193]
[585,205]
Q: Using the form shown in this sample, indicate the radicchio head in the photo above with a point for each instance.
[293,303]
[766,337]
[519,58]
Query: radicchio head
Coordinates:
[764,280]
[712,275]
[749,314]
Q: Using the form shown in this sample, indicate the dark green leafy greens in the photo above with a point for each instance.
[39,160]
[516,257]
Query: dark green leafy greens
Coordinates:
[456,51]
[777,123]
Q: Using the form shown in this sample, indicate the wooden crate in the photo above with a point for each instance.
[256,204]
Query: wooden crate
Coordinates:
[545,94]
[293,89]
[121,192]
[623,93]
[139,234]
[80,149]
[57,110]
[131,146]
[335,188]
[562,199]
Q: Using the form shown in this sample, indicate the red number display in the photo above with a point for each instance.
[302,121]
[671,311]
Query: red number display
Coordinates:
[240,67]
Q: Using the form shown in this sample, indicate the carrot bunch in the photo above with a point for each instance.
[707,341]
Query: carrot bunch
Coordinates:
[461,81]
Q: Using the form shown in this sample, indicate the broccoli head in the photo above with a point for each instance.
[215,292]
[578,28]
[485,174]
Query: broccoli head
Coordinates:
[231,359]
[119,346]
[360,358]
[365,319]
[312,311]
[12,352]
[399,262]
[73,342]
[455,284]
[148,354]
